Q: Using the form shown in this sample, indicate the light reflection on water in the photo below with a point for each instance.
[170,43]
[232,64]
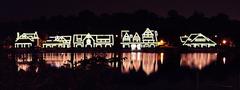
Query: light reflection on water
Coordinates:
[24,57]
[22,66]
[224,60]
[148,62]
[57,59]
[197,60]
[134,61]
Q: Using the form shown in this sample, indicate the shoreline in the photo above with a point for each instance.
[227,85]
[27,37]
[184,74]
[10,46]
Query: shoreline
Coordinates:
[96,50]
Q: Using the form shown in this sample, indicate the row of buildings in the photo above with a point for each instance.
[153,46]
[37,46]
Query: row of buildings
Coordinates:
[135,41]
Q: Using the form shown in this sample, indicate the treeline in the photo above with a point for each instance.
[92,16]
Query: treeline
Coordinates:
[170,26]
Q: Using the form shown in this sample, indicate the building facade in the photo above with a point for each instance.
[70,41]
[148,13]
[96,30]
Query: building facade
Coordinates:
[135,42]
[58,42]
[26,40]
[93,40]
[197,40]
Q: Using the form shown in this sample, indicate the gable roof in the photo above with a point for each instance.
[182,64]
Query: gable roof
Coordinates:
[126,35]
[29,36]
[88,36]
[193,38]
[136,36]
[183,38]
[147,31]
[59,39]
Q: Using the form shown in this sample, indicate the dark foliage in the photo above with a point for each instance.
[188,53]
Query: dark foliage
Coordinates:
[169,27]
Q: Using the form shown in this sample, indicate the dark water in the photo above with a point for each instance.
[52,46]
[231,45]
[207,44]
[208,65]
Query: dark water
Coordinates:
[135,61]
[163,70]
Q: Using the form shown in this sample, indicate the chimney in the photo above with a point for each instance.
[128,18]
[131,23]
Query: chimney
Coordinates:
[35,34]
[17,37]
[17,34]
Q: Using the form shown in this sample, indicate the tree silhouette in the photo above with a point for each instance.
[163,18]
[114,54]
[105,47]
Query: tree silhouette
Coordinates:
[169,27]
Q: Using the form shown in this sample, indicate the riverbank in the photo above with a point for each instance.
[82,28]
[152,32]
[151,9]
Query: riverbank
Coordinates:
[161,49]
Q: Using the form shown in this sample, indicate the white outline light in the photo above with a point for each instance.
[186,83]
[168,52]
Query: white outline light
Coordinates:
[135,42]
[58,42]
[93,40]
[32,37]
[197,40]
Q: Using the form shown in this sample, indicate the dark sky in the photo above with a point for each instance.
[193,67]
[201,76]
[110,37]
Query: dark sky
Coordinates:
[25,9]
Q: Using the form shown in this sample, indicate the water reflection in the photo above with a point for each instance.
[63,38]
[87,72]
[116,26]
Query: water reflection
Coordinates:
[137,60]
[56,59]
[22,60]
[224,60]
[161,56]
[22,66]
[24,57]
[148,62]
[134,61]
[197,60]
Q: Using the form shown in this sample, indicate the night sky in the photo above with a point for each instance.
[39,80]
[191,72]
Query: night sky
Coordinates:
[14,10]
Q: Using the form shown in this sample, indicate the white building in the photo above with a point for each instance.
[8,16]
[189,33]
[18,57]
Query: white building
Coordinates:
[58,42]
[197,40]
[93,40]
[149,38]
[26,40]
[135,42]
[130,41]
